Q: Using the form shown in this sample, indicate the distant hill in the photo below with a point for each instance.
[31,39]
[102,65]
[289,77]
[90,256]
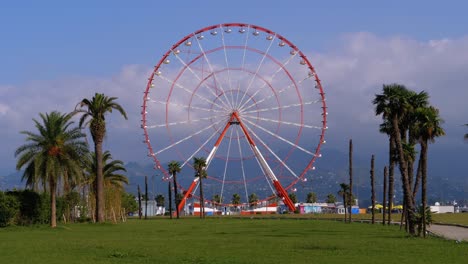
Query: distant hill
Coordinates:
[447,176]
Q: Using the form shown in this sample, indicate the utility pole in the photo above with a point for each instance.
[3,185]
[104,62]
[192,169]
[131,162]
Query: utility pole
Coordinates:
[146,197]
[139,202]
[385,174]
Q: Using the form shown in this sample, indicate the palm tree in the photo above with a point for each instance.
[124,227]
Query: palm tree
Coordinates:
[311,197]
[114,180]
[159,200]
[384,195]
[95,111]
[429,127]
[466,135]
[52,152]
[253,199]
[199,165]
[415,102]
[344,193]
[139,201]
[331,198]
[393,105]
[111,171]
[174,168]
[410,156]
[235,199]
[386,128]
[216,199]
[293,197]
[169,194]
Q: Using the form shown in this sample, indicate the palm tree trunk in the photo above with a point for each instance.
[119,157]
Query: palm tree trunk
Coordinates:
[100,210]
[418,177]
[404,176]
[53,203]
[146,197]
[391,177]
[403,216]
[384,194]
[202,200]
[139,202]
[372,189]
[169,193]
[350,179]
[345,207]
[176,197]
[424,147]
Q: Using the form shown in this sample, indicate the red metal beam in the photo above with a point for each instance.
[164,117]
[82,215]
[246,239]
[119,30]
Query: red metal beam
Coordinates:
[187,194]
[284,195]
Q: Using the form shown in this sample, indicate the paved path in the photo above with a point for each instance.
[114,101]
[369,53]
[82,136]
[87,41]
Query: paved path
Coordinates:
[450,232]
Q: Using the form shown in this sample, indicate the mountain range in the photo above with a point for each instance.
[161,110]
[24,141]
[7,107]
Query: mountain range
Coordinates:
[447,178]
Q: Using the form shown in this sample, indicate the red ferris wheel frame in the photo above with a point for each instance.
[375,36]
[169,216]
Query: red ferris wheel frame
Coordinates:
[235,119]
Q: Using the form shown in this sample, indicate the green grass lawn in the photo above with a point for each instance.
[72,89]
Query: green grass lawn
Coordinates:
[223,240]
[460,219]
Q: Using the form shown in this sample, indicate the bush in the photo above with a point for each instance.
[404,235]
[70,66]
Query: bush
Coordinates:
[29,206]
[9,208]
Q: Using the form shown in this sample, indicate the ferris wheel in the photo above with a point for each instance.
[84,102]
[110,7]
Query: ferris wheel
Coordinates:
[245,98]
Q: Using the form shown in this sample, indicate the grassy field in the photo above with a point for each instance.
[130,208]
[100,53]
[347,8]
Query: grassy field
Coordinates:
[223,240]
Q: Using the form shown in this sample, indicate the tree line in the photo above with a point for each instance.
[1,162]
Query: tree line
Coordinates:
[56,159]
[408,120]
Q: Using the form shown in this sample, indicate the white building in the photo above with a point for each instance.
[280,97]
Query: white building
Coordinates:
[440,209]
[152,209]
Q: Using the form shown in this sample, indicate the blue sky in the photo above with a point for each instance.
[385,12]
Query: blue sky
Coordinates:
[54,53]
[50,39]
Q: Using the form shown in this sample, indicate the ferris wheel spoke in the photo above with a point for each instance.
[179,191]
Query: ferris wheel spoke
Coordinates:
[280,107]
[201,79]
[187,106]
[273,153]
[230,106]
[279,137]
[186,121]
[273,95]
[256,71]
[245,46]
[272,77]
[202,146]
[188,137]
[226,164]
[243,62]
[267,179]
[196,94]
[227,64]
[281,122]
[242,162]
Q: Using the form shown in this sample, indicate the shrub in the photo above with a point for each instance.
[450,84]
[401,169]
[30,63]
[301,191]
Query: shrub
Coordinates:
[29,206]
[9,208]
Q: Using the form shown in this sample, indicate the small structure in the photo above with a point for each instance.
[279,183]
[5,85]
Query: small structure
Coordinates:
[440,209]
[153,209]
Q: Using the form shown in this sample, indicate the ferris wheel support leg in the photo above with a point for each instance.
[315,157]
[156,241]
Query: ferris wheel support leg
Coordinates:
[187,194]
[284,195]
[208,161]
[281,192]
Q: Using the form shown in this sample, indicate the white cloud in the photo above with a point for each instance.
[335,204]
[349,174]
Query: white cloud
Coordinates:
[352,73]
